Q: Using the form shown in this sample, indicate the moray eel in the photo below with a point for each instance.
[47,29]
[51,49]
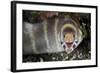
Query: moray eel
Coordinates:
[50,36]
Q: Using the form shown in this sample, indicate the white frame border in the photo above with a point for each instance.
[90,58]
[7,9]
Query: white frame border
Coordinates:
[21,66]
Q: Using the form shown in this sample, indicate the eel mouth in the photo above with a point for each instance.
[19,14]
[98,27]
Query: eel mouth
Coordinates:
[69,44]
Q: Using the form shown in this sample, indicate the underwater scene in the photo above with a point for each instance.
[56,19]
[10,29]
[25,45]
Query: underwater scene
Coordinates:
[55,36]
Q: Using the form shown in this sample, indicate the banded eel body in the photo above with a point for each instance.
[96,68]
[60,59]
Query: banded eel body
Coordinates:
[46,37]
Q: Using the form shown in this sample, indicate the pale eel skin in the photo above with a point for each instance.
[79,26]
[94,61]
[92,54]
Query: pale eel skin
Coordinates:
[48,36]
